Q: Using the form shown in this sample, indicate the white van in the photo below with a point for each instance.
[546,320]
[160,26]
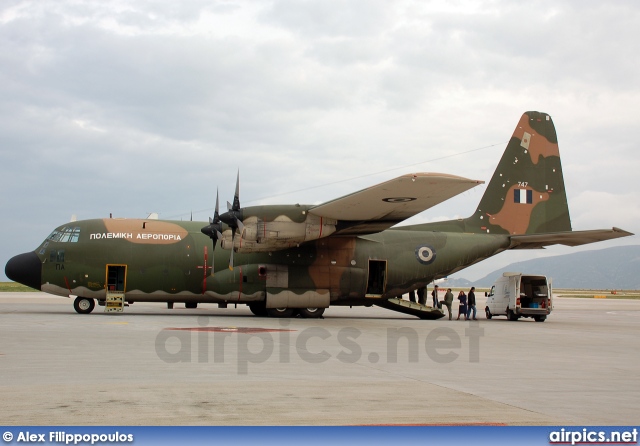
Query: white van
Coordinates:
[517,295]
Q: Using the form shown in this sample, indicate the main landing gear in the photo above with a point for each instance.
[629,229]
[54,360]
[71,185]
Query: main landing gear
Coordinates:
[307,313]
[260,309]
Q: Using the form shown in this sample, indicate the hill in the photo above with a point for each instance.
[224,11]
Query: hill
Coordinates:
[610,268]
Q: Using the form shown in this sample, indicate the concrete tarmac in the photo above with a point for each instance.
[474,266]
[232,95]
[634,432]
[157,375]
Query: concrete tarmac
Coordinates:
[359,366]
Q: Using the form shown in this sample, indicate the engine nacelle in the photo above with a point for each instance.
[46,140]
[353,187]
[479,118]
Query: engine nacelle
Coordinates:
[281,233]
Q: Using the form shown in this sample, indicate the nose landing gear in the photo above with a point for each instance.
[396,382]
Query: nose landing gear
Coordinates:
[84,305]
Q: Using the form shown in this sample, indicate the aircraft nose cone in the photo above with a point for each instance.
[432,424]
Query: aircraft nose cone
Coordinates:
[25,269]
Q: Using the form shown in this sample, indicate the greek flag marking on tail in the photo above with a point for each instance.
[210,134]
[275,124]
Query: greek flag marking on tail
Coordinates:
[523,196]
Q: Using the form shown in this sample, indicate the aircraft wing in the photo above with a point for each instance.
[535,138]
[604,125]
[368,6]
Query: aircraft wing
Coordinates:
[569,238]
[379,207]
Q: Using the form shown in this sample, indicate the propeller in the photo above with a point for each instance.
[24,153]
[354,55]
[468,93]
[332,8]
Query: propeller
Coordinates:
[233,218]
[214,230]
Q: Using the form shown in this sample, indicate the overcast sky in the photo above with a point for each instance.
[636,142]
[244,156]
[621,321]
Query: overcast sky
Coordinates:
[129,107]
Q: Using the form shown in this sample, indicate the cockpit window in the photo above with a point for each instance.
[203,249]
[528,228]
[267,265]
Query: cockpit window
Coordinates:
[64,235]
[75,235]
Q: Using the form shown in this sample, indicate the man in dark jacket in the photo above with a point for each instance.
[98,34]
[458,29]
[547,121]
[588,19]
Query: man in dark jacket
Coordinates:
[471,303]
[434,296]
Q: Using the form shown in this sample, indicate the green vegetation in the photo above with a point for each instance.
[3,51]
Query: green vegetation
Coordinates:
[604,294]
[13,287]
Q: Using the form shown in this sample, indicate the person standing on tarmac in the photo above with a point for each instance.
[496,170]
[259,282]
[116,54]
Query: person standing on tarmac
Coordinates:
[462,308]
[448,301]
[434,296]
[471,302]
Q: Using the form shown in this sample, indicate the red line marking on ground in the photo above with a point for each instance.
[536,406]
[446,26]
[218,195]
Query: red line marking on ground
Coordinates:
[228,329]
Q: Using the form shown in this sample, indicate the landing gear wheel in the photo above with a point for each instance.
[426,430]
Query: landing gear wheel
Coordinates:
[259,309]
[191,304]
[540,318]
[281,312]
[84,305]
[487,313]
[311,312]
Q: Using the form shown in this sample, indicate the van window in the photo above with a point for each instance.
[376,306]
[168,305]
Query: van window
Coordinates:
[492,290]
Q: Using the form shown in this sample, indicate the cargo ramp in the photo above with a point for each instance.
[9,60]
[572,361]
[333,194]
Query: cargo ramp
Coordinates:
[412,308]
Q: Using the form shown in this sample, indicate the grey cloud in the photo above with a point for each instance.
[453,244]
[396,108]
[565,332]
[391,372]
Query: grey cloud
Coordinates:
[333,18]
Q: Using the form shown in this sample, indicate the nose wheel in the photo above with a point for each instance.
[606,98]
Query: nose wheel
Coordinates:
[84,305]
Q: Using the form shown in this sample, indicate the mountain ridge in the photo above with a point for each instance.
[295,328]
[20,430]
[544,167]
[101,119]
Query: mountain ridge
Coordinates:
[610,268]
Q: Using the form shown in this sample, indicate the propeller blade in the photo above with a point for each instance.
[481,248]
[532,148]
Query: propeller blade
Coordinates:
[233,236]
[216,213]
[214,230]
[233,218]
[236,197]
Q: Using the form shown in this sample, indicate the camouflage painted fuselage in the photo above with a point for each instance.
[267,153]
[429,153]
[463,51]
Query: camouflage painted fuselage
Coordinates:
[166,262]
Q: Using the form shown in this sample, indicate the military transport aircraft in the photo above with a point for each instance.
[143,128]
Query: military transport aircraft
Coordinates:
[300,259]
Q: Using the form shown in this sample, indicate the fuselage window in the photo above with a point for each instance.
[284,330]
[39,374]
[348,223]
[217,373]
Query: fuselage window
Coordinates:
[60,257]
[44,248]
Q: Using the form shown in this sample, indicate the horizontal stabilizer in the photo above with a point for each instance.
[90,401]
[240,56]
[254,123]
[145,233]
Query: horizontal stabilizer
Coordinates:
[568,238]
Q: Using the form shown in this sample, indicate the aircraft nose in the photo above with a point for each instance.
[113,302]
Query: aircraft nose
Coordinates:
[25,269]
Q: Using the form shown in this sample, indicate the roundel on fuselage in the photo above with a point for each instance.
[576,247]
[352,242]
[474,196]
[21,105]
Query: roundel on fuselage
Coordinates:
[426,254]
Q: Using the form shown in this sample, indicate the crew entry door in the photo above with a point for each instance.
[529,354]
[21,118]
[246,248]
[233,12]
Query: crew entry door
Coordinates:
[116,283]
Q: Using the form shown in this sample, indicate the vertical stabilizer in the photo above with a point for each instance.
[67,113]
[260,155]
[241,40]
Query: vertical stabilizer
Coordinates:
[526,194]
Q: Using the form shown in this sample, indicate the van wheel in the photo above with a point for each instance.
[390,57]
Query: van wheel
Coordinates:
[512,316]
[540,318]
[311,312]
[281,312]
[487,312]
[84,305]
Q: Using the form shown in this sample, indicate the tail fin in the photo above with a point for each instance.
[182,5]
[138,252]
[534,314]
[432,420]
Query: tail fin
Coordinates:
[526,194]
